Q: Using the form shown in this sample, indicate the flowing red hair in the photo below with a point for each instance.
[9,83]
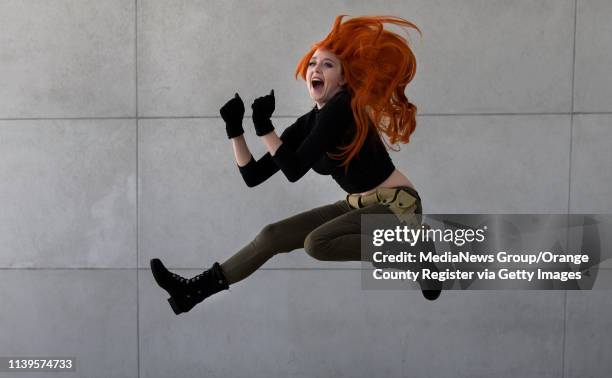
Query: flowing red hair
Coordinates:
[377,65]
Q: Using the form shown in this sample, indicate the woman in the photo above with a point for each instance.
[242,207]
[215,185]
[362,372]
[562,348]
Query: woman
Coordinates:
[356,76]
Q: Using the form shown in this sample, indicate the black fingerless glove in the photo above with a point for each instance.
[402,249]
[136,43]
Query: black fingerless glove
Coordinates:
[263,107]
[232,113]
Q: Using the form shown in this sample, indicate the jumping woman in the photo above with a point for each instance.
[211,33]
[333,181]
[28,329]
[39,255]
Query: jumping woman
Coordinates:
[356,77]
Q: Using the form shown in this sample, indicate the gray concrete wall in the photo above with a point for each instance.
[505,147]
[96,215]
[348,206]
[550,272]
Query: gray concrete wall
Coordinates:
[112,152]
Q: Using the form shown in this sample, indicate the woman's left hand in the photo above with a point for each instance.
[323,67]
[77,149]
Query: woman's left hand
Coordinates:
[263,107]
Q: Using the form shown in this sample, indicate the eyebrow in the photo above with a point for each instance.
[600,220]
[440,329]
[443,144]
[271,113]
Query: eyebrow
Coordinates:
[314,57]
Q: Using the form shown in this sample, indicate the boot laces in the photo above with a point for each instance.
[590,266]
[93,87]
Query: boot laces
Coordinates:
[196,278]
[180,278]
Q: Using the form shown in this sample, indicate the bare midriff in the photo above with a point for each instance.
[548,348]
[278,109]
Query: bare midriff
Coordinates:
[395,179]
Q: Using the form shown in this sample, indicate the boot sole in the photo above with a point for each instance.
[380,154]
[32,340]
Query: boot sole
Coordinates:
[432,295]
[180,305]
[175,307]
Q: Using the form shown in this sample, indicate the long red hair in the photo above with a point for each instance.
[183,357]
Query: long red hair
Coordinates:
[377,65]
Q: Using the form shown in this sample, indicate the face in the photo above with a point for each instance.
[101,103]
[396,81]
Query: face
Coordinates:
[324,76]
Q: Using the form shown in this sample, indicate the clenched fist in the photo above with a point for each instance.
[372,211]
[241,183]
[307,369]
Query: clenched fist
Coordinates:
[263,107]
[233,113]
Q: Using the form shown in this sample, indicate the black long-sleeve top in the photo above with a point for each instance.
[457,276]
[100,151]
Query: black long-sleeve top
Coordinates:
[306,142]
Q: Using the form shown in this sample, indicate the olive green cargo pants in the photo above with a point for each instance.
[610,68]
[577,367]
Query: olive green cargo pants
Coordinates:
[331,232]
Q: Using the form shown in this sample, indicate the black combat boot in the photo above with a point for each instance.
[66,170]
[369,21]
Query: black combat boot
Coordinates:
[431,288]
[186,293]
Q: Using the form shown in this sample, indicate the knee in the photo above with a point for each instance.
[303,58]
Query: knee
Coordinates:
[316,246]
[269,232]
[272,237]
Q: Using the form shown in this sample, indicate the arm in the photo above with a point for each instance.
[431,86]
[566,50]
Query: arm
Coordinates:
[254,172]
[242,154]
[326,132]
[272,142]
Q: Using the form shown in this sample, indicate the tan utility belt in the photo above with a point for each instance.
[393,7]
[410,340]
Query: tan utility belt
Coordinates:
[399,201]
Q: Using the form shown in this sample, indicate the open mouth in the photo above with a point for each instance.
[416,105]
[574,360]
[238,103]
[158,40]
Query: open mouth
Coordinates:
[317,84]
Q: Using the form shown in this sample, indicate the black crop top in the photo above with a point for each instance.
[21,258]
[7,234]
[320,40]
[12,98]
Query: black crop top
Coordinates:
[306,142]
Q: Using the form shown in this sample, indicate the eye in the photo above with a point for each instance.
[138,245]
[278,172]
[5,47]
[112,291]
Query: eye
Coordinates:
[311,63]
[328,64]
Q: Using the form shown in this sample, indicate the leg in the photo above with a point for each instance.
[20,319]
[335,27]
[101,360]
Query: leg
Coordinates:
[279,237]
[282,236]
[340,238]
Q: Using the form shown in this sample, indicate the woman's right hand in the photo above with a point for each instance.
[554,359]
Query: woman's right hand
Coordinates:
[233,113]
